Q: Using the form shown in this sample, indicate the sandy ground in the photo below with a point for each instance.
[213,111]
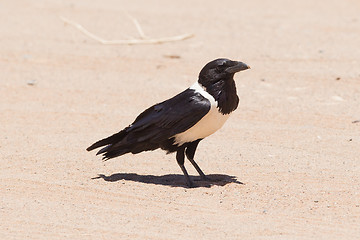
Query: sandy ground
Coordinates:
[287,162]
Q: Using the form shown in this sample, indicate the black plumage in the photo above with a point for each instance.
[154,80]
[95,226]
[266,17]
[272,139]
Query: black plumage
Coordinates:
[156,126]
[166,124]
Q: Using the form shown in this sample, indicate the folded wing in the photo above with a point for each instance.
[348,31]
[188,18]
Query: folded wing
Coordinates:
[155,127]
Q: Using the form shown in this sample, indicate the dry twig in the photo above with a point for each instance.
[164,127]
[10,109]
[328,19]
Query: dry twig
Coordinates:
[143,38]
[137,25]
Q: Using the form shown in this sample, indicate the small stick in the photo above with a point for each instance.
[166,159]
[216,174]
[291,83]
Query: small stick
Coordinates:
[137,25]
[144,39]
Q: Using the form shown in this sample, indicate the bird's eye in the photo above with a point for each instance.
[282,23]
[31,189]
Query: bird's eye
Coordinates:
[221,67]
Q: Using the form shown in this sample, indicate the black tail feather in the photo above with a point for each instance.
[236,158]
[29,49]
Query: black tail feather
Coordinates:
[115,145]
[104,149]
[115,153]
[107,141]
[130,141]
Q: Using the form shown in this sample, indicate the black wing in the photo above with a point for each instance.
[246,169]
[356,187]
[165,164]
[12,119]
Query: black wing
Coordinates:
[156,125]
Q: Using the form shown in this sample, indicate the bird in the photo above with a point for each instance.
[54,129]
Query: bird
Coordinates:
[181,122]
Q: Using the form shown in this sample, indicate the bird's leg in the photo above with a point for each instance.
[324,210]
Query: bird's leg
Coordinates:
[190,153]
[180,157]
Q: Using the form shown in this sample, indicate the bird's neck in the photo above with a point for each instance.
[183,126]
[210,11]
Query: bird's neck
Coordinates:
[224,93]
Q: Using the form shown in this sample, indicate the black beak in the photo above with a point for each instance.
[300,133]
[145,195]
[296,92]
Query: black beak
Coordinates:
[237,67]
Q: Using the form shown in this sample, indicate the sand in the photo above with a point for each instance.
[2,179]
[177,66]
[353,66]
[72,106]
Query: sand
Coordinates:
[285,166]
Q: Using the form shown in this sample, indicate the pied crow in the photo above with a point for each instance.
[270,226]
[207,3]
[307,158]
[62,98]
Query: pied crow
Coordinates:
[181,122]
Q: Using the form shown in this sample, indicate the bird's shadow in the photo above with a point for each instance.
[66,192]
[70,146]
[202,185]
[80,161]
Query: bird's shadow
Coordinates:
[173,180]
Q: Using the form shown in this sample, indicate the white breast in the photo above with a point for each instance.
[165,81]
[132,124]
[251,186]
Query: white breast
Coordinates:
[209,124]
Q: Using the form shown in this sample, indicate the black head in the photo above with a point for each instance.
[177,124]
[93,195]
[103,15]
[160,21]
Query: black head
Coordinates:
[221,69]
[217,77]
